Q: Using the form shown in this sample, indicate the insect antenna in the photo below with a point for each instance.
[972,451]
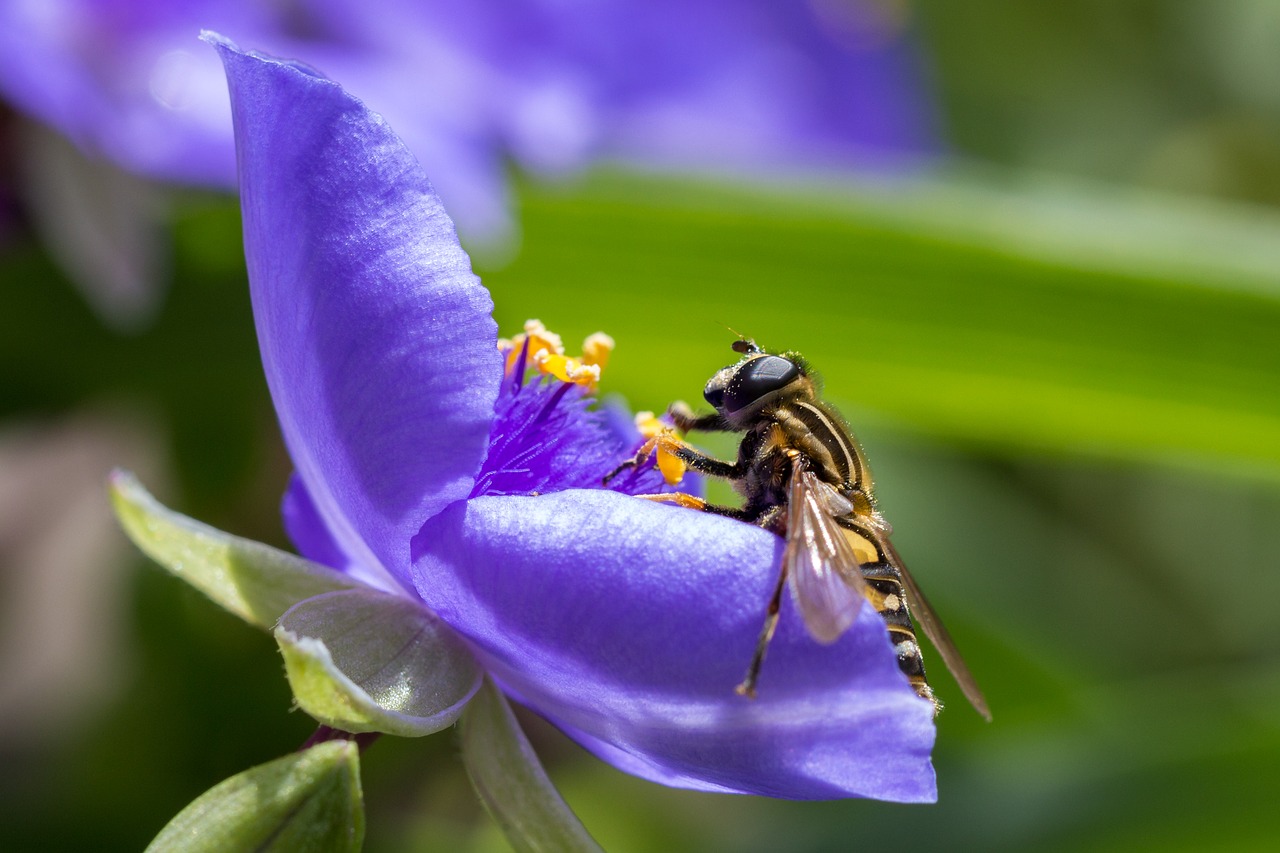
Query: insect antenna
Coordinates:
[743,344]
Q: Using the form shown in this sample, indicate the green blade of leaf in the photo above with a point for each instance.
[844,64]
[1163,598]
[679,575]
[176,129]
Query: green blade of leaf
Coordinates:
[1001,311]
[309,801]
[256,582]
[364,661]
[511,782]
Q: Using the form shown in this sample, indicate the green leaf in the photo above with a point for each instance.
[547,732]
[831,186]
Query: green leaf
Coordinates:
[256,582]
[309,801]
[993,309]
[365,661]
[511,782]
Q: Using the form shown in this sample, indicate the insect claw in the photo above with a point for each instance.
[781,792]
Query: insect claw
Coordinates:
[678,498]
[630,463]
[681,414]
[642,455]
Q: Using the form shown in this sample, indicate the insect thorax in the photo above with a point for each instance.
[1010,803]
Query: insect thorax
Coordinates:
[821,435]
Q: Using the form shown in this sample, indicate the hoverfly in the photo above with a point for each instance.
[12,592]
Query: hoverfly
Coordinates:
[804,476]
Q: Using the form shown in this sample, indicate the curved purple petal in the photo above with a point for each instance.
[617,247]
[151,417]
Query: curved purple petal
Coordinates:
[376,337]
[313,539]
[628,624]
[307,530]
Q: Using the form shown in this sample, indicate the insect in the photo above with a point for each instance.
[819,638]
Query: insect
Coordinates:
[804,476]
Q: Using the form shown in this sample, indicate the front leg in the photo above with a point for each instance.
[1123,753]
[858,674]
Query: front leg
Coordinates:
[770,517]
[674,457]
[686,420]
[711,466]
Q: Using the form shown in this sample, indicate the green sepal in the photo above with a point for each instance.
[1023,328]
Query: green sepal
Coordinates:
[364,661]
[510,780]
[308,801]
[256,582]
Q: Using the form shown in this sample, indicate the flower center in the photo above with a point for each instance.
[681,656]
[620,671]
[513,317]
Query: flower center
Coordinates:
[547,433]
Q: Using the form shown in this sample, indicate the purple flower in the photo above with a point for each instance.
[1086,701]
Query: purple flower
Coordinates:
[552,84]
[429,468]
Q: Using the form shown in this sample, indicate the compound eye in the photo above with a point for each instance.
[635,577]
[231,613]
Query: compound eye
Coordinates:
[714,395]
[758,378]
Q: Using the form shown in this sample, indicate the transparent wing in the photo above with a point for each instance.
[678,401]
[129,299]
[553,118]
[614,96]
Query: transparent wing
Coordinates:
[936,632]
[819,561]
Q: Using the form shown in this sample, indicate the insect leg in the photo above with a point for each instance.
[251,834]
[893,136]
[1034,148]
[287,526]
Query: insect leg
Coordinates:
[690,502]
[774,518]
[711,466]
[748,686]
[771,623]
[645,451]
[730,511]
[768,517]
[686,421]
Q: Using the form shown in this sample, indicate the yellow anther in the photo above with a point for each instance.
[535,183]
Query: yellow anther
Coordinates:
[566,369]
[662,443]
[539,345]
[672,466]
[596,349]
[649,425]
[534,329]
[585,374]
[534,341]
[544,350]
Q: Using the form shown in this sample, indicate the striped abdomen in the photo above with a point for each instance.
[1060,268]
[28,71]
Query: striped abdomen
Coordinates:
[833,453]
[885,592]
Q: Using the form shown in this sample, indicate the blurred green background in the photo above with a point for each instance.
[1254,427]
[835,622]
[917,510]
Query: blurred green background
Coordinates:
[1062,353]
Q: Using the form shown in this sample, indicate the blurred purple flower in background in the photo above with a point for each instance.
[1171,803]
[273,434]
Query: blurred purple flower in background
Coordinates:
[427,467]
[761,87]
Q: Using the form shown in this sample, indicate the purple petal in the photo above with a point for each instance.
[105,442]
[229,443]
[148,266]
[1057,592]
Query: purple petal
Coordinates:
[628,624]
[313,539]
[720,84]
[376,337]
[127,80]
[751,85]
[307,530]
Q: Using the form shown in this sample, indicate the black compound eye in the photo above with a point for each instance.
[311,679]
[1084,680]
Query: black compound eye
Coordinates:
[714,392]
[758,378]
[714,395]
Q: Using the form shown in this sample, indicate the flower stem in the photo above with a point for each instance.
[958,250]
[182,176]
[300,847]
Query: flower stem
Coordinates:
[327,733]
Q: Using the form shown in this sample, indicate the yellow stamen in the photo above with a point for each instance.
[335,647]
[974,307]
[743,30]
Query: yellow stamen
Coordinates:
[567,369]
[535,329]
[662,442]
[536,339]
[673,468]
[545,351]
[596,349]
[649,425]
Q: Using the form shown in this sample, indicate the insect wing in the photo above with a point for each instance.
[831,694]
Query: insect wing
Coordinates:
[819,561]
[937,633]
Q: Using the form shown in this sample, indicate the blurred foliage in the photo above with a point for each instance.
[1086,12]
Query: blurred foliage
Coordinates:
[963,335]
[1067,390]
[1176,94]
